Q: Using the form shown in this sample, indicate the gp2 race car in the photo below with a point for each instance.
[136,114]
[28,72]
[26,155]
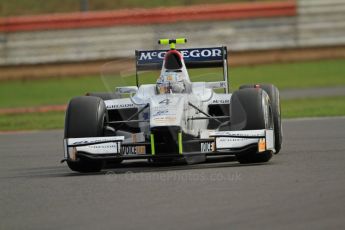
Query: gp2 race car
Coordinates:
[173,119]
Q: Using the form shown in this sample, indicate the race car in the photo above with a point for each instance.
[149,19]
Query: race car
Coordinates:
[173,119]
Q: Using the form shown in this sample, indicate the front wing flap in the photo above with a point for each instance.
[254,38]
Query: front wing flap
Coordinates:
[218,143]
[232,140]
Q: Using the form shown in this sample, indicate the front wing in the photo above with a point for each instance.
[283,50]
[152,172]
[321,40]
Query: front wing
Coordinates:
[218,143]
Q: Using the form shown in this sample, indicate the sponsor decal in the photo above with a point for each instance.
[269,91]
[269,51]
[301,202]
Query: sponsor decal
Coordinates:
[226,142]
[200,54]
[100,148]
[160,113]
[163,110]
[165,101]
[221,101]
[120,106]
[242,138]
[245,133]
[149,55]
[222,84]
[92,141]
[92,145]
[133,150]
[164,120]
[230,139]
[207,147]
[128,89]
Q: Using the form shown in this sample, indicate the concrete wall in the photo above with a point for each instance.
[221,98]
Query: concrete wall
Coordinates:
[321,23]
[317,23]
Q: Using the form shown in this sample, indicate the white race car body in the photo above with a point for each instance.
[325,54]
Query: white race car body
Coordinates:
[152,125]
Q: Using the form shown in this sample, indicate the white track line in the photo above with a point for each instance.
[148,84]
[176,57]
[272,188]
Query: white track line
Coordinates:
[313,118]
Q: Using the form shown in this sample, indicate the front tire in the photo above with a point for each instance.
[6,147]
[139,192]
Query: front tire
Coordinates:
[85,117]
[250,110]
[107,96]
[273,93]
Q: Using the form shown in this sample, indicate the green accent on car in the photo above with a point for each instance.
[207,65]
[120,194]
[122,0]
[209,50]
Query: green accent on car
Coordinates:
[181,40]
[180,149]
[172,42]
[172,46]
[153,152]
[164,41]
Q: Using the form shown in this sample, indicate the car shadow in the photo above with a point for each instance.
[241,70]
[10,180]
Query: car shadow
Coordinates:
[142,166]
[146,167]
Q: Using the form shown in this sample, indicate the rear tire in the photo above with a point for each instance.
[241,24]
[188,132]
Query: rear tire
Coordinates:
[273,93]
[104,96]
[250,110]
[85,117]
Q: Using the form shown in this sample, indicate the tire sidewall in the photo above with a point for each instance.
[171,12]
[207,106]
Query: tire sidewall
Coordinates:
[85,117]
[255,105]
[274,96]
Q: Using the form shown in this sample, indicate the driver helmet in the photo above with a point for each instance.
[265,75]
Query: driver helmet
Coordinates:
[170,82]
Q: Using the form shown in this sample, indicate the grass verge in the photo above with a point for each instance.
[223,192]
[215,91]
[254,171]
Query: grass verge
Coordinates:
[32,121]
[24,93]
[314,107]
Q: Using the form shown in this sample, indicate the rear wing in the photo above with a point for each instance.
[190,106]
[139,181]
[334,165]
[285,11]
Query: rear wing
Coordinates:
[211,57]
[193,58]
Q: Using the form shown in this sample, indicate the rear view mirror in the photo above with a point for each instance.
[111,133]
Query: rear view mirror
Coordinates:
[126,89]
[216,85]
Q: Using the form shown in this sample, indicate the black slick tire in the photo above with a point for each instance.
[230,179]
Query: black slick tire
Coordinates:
[85,117]
[250,110]
[273,93]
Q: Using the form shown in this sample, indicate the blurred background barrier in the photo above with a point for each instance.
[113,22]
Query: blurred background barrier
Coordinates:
[243,27]
[160,15]
[46,60]
[320,23]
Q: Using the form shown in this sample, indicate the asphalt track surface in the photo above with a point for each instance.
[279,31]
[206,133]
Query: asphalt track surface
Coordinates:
[312,92]
[303,187]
